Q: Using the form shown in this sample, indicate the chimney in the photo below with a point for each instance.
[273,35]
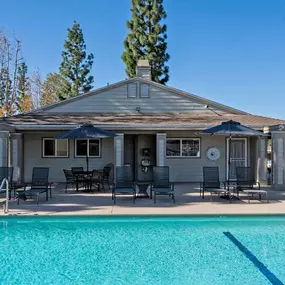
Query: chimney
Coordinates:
[143,69]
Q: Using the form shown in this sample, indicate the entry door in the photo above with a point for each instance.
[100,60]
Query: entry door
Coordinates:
[238,156]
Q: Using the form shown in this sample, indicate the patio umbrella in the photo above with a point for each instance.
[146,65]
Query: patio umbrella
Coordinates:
[86,131]
[231,128]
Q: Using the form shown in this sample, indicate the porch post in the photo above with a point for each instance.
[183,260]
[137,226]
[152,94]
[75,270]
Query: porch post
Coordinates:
[278,136]
[261,159]
[160,149]
[16,150]
[119,150]
[4,148]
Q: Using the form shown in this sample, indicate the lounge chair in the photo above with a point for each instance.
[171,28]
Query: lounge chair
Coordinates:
[247,184]
[124,184]
[211,182]
[6,172]
[39,184]
[160,184]
[69,178]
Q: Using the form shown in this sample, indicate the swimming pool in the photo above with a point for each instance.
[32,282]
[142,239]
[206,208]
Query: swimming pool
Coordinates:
[152,250]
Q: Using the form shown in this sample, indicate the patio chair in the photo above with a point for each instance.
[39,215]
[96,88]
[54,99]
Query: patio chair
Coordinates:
[160,184]
[7,172]
[96,179]
[211,182]
[246,182]
[78,176]
[39,184]
[106,175]
[124,184]
[69,178]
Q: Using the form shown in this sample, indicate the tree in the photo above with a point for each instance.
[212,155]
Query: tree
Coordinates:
[76,65]
[24,103]
[54,88]
[147,39]
[9,61]
[35,88]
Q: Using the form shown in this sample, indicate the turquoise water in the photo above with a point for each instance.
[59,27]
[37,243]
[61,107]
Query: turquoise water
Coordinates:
[142,250]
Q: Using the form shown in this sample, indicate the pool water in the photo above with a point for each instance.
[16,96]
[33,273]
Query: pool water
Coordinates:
[178,250]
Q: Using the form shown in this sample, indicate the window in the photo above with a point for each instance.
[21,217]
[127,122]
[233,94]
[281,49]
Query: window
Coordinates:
[90,147]
[183,147]
[144,90]
[55,148]
[132,90]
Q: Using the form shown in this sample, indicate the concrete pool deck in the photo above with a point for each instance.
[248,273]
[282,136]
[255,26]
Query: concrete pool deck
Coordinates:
[188,202]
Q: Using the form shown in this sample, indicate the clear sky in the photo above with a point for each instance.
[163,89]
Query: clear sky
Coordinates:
[229,51]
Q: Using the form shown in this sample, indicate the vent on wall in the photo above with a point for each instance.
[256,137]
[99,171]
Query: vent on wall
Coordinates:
[132,90]
[144,90]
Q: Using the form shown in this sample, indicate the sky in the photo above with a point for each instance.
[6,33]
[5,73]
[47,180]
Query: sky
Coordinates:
[228,51]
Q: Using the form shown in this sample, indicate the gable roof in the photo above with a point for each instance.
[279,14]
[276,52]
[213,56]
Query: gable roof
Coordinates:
[190,96]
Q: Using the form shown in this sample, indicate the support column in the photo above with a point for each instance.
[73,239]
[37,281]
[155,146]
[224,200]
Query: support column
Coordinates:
[278,139]
[160,149]
[16,158]
[119,150]
[262,159]
[4,148]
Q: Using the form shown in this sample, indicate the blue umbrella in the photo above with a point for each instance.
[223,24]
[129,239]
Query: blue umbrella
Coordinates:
[231,128]
[86,131]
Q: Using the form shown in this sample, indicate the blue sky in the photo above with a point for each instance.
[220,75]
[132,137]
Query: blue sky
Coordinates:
[232,52]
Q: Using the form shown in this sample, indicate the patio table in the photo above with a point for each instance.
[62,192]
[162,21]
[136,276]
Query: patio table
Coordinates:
[142,185]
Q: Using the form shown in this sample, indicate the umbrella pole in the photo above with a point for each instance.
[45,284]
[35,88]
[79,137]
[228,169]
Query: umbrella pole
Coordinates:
[229,159]
[87,162]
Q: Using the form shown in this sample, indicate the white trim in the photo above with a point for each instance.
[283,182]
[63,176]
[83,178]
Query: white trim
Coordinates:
[87,145]
[181,140]
[246,152]
[55,148]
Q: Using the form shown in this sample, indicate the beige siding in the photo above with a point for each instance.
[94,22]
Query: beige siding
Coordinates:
[33,157]
[116,101]
[191,169]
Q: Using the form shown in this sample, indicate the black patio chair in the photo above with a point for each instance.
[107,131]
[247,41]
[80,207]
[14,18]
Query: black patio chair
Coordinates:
[124,184]
[78,174]
[69,178]
[7,172]
[211,182]
[39,184]
[245,179]
[106,175]
[160,184]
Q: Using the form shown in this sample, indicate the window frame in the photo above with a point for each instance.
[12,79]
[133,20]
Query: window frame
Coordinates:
[55,148]
[182,139]
[93,156]
[132,97]
[148,90]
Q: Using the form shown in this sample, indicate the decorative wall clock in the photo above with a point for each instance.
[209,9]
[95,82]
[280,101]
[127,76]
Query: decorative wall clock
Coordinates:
[213,153]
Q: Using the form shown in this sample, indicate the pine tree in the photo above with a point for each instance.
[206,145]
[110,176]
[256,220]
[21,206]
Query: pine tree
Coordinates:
[54,88]
[24,103]
[76,65]
[147,39]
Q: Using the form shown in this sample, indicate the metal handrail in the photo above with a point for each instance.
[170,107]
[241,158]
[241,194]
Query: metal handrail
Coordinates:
[6,207]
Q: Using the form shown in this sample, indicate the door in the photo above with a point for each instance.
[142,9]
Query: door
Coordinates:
[238,155]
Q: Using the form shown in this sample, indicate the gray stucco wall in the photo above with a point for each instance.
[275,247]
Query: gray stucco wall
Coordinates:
[33,156]
[181,169]
[191,169]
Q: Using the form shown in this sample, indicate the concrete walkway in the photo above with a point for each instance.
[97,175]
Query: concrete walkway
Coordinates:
[188,202]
